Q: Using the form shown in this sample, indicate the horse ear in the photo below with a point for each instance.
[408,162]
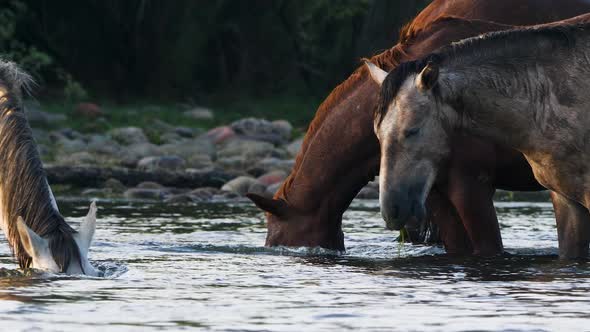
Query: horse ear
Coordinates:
[428,77]
[87,228]
[33,244]
[277,207]
[377,74]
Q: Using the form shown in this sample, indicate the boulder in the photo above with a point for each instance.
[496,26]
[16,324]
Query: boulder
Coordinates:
[149,185]
[141,193]
[272,189]
[250,150]
[169,163]
[38,118]
[68,133]
[97,192]
[272,164]
[283,128]
[68,146]
[188,148]
[199,113]
[220,134]
[237,163]
[76,159]
[128,135]
[294,147]
[272,177]
[114,185]
[243,185]
[263,130]
[199,161]
[179,199]
[133,153]
[103,144]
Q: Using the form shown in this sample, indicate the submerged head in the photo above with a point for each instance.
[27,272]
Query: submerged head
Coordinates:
[289,226]
[61,250]
[411,125]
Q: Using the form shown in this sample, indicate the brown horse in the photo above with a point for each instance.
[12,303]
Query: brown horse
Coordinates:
[523,88]
[340,152]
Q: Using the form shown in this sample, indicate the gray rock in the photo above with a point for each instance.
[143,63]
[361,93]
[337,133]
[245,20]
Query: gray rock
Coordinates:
[199,161]
[128,135]
[114,185]
[38,118]
[250,150]
[199,113]
[273,164]
[263,130]
[272,177]
[68,133]
[294,147]
[133,153]
[169,163]
[220,135]
[284,128]
[103,144]
[97,192]
[237,163]
[65,145]
[189,148]
[150,185]
[272,189]
[179,199]
[205,194]
[76,159]
[243,185]
[140,193]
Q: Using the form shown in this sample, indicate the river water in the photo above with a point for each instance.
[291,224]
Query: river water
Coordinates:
[205,267]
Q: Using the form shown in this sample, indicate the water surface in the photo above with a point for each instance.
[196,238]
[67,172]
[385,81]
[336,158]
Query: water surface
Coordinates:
[204,267]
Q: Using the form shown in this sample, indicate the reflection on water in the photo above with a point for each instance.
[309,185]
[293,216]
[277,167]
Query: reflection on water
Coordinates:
[204,267]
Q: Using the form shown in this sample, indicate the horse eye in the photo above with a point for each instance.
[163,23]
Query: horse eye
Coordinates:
[411,132]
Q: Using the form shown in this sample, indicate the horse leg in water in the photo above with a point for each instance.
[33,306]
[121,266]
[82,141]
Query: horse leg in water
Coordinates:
[451,231]
[471,191]
[573,227]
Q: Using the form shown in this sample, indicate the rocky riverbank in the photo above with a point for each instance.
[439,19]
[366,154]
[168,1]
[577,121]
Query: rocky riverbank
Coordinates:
[174,164]
[166,162]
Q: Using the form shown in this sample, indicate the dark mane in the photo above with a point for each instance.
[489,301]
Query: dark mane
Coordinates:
[512,44]
[23,185]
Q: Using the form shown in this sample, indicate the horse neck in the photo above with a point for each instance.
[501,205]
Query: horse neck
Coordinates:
[336,151]
[24,190]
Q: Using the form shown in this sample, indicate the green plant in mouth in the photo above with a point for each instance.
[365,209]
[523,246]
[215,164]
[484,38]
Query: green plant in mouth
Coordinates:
[401,240]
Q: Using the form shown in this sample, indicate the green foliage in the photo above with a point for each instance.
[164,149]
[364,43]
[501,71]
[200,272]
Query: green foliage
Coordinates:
[73,90]
[192,49]
[28,56]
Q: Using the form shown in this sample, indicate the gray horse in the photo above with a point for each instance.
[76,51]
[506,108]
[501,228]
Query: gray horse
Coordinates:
[527,89]
[37,233]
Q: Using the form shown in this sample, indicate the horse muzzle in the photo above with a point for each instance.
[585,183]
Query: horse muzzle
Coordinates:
[400,206]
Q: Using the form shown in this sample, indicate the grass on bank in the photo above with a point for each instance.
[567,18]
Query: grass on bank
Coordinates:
[298,111]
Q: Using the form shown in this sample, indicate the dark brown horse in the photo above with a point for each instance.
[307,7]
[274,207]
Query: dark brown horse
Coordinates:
[340,152]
